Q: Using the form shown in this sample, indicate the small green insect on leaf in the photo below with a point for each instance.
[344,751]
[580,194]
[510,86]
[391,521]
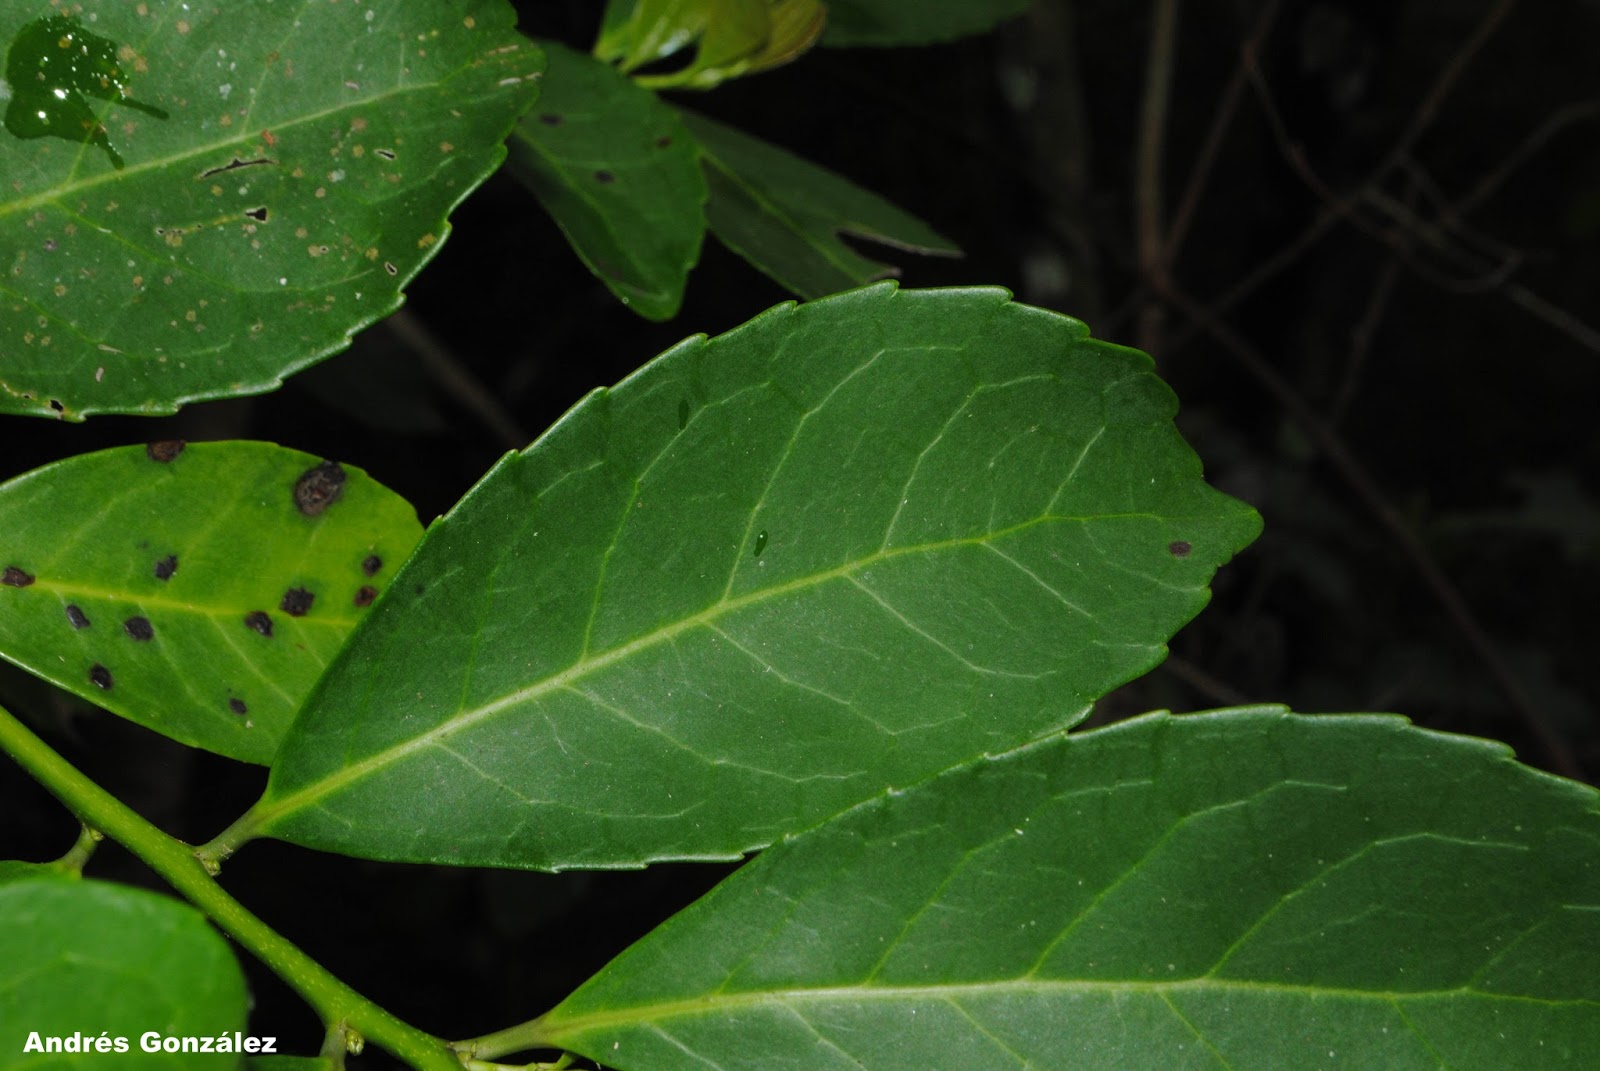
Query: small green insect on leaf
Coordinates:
[53,64]
[201,199]
[894,529]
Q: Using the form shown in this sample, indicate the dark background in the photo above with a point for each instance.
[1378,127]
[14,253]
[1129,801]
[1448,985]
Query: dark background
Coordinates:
[1381,320]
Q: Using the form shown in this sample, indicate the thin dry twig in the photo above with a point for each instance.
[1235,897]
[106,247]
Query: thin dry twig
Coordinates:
[1149,237]
[451,374]
[1349,467]
[1206,159]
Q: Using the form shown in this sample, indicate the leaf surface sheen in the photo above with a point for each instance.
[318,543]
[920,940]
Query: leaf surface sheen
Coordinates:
[1248,890]
[298,176]
[616,169]
[81,957]
[843,546]
[187,588]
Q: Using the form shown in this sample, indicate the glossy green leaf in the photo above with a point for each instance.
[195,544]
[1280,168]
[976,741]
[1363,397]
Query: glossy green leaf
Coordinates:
[621,176]
[785,215]
[298,176]
[895,22]
[196,590]
[78,958]
[1247,890]
[728,38]
[844,546]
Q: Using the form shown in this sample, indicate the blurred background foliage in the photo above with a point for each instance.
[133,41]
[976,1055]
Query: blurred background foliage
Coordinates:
[1360,237]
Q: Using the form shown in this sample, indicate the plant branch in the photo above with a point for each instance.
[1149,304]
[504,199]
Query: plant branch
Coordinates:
[519,1038]
[1150,237]
[1366,488]
[338,1005]
[1227,108]
[451,374]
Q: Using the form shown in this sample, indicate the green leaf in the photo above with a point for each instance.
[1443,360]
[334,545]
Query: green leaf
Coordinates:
[198,590]
[1244,889]
[78,958]
[730,38]
[17,870]
[842,547]
[784,214]
[621,176]
[895,22]
[298,176]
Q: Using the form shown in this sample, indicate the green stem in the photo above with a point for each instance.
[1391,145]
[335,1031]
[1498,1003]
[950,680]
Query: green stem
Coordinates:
[79,853]
[337,1003]
[517,1038]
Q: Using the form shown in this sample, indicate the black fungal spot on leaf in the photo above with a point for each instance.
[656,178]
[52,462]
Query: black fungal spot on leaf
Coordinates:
[387,154]
[238,706]
[165,450]
[604,177]
[55,403]
[259,621]
[100,677]
[76,616]
[1179,548]
[390,268]
[318,488]
[166,567]
[257,214]
[297,602]
[371,564]
[16,578]
[663,141]
[365,596]
[551,119]
[139,628]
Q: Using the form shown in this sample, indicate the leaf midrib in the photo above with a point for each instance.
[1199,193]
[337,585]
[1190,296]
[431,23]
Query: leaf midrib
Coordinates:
[720,1004]
[55,194]
[267,810]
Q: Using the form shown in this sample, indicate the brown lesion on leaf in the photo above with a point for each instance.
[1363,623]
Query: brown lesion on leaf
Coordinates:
[16,577]
[296,602]
[319,487]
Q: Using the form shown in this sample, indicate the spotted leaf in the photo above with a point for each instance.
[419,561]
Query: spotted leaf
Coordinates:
[200,199]
[196,590]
